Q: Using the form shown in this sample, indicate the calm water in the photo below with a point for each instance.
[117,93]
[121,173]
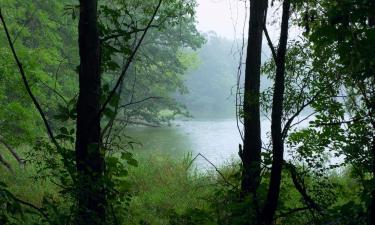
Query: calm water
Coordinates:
[217,140]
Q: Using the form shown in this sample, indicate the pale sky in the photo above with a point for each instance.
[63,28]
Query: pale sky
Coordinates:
[228,17]
[225,17]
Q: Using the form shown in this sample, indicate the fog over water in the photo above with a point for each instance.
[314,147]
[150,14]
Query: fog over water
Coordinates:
[213,131]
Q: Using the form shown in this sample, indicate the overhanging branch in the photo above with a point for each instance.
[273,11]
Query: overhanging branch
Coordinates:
[130,60]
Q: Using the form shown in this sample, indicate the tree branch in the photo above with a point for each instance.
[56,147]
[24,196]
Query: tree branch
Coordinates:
[130,60]
[5,163]
[140,101]
[291,119]
[213,165]
[31,206]
[27,86]
[11,150]
[273,50]
[135,30]
[301,189]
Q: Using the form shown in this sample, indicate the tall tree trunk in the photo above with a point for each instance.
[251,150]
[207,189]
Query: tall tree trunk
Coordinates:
[270,206]
[251,154]
[89,159]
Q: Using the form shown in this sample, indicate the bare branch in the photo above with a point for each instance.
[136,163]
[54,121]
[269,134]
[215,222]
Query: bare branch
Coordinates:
[213,165]
[291,119]
[304,119]
[273,50]
[138,123]
[140,101]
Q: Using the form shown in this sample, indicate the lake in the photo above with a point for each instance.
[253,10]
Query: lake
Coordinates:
[216,139]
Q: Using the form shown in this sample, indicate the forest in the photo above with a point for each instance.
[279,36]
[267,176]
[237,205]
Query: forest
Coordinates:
[128,112]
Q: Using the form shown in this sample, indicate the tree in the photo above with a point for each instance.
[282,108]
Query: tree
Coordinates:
[251,153]
[39,40]
[276,121]
[89,157]
[342,35]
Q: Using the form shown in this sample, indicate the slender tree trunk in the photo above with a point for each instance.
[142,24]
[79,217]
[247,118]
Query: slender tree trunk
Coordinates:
[251,154]
[89,159]
[276,130]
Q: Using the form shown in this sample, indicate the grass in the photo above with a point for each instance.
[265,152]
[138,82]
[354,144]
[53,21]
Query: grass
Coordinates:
[168,191]
[161,186]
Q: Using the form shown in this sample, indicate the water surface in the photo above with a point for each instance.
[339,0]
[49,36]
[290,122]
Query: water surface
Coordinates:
[217,139]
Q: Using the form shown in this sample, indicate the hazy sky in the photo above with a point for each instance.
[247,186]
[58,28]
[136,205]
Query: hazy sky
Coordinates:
[225,17]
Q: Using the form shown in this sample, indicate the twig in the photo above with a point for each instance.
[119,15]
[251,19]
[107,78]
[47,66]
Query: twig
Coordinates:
[291,119]
[23,26]
[304,119]
[140,101]
[213,165]
[55,92]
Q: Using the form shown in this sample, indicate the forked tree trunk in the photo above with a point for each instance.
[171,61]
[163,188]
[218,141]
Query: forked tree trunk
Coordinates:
[270,206]
[89,159]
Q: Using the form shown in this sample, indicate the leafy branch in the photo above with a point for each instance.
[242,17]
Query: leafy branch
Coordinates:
[130,60]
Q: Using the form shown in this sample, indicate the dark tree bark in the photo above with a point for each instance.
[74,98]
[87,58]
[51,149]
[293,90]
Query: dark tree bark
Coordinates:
[270,206]
[89,159]
[251,153]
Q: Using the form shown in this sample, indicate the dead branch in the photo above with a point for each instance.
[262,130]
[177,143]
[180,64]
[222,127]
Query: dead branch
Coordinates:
[213,165]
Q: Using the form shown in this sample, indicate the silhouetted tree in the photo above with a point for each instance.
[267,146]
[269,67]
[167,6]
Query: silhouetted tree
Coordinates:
[270,206]
[89,159]
[251,153]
